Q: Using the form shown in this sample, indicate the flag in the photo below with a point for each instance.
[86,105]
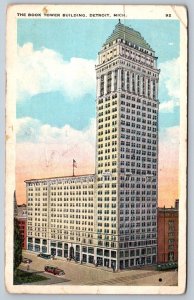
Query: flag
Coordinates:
[74,163]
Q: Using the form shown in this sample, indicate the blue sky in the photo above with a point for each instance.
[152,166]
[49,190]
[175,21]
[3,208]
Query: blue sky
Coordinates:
[83,39]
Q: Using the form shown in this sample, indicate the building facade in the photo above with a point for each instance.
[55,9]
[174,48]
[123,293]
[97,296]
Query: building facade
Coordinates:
[127,146]
[21,216]
[123,225]
[61,215]
[168,219]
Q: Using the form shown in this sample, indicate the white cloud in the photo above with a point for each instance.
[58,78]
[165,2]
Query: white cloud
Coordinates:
[33,131]
[170,80]
[27,129]
[41,71]
[168,106]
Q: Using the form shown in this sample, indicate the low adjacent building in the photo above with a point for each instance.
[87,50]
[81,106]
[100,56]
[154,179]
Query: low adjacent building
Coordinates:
[61,216]
[22,222]
[168,219]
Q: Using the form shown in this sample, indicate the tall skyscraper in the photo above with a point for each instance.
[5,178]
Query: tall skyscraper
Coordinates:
[110,217]
[127,147]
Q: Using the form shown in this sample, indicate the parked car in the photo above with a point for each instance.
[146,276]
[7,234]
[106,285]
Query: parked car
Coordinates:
[26,260]
[54,270]
[167,266]
[44,255]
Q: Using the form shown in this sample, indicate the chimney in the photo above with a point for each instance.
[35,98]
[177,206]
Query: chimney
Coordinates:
[177,204]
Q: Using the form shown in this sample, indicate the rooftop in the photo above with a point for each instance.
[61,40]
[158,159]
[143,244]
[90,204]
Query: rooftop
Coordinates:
[21,211]
[168,209]
[174,208]
[129,35]
[59,177]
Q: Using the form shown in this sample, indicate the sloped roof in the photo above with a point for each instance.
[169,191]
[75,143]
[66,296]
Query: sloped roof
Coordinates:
[129,35]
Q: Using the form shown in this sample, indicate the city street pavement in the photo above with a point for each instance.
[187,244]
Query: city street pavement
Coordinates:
[77,274]
[50,278]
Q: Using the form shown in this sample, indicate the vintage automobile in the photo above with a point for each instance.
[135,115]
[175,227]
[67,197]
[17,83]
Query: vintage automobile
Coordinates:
[26,260]
[44,255]
[167,266]
[54,270]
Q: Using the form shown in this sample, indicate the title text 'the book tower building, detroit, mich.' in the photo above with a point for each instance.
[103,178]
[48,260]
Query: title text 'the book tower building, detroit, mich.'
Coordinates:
[110,217]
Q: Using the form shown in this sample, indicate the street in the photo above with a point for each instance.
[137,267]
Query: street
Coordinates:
[77,274]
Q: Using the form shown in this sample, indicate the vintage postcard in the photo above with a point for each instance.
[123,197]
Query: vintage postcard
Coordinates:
[96,149]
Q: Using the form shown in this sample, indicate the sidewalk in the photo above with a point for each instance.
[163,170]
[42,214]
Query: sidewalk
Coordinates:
[88,265]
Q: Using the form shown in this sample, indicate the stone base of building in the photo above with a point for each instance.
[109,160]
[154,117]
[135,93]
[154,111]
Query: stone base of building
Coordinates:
[87,254]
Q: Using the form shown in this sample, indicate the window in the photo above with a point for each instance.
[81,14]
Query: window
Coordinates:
[102,85]
[171,225]
[171,241]
[122,80]
[154,89]
[99,251]
[115,80]
[138,84]
[109,80]
[113,254]
[143,86]
[133,82]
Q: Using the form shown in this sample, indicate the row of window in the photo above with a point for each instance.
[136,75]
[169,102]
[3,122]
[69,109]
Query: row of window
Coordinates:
[130,82]
[33,185]
[132,125]
[131,54]
[58,199]
[134,101]
[127,156]
[138,111]
[137,252]
[127,163]
[127,199]
[137,172]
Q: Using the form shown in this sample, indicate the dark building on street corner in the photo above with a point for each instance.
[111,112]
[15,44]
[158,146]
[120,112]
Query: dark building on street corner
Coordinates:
[21,217]
[168,220]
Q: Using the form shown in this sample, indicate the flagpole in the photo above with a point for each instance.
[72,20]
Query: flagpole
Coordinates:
[73,167]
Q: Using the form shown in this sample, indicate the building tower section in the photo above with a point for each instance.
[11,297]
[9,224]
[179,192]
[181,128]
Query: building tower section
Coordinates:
[127,148]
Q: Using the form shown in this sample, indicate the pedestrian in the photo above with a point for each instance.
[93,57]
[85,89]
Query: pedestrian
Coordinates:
[113,267]
[28,266]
